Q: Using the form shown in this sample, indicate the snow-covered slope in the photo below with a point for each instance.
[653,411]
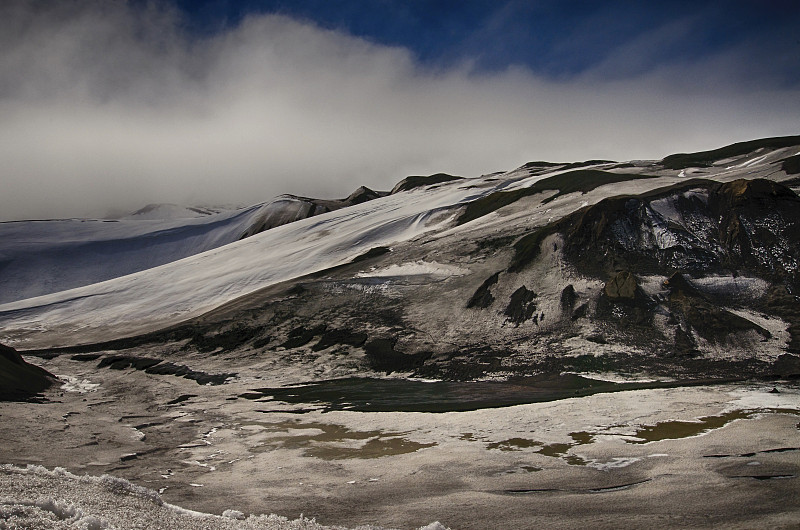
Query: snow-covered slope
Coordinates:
[181,289]
[164,211]
[41,257]
[430,218]
[46,256]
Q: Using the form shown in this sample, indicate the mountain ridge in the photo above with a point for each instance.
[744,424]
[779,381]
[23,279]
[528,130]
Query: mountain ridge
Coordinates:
[646,268]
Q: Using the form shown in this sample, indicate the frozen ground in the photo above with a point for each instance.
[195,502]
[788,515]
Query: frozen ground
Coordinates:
[58,499]
[714,456]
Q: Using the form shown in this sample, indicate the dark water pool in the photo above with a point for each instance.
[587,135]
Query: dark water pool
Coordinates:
[402,395]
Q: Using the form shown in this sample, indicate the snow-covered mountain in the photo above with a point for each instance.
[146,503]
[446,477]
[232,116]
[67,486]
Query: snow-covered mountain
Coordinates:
[675,264]
[48,256]
[559,342]
[164,211]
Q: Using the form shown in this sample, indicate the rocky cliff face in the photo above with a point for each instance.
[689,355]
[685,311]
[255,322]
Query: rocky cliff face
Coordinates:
[699,228]
[723,245]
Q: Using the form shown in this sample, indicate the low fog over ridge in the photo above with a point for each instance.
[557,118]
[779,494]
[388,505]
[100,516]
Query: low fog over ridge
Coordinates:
[107,106]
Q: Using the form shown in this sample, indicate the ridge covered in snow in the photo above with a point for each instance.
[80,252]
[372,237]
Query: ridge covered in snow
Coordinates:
[47,256]
[231,268]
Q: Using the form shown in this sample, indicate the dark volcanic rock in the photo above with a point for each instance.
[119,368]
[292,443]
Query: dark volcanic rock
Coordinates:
[120,362]
[262,341]
[374,252]
[685,343]
[706,318]
[791,165]
[698,227]
[624,301]
[568,298]
[19,379]
[83,357]
[580,311]
[158,366]
[409,183]
[382,357]
[340,336]
[759,227]
[225,340]
[521,306]
[300,336]
[362,194]
[202,378]
[627,233]
[787,365]
[482,298]
[677,283]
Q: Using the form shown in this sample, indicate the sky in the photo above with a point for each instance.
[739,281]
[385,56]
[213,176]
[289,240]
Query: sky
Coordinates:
[108,105]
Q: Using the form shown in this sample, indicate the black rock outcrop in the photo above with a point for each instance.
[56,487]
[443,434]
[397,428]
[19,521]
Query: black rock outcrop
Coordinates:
[298,208]
[482,298]
[415,181]
[699,227]
[20,379]
[521,306]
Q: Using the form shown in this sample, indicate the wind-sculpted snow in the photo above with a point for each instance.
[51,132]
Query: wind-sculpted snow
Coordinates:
[42,257]
[48,256]
[171,293]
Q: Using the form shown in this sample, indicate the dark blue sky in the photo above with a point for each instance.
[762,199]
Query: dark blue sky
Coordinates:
[558,39]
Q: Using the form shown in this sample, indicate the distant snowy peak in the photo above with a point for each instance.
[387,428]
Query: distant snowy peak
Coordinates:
[286,209]
[43,257]
[166,211]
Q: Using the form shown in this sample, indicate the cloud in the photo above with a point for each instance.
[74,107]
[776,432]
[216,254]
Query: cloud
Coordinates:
[108,106]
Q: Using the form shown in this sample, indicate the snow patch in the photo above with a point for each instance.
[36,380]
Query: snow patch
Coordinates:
[75,384]
[738,286]
[615,463]
[418,267]
[755,398]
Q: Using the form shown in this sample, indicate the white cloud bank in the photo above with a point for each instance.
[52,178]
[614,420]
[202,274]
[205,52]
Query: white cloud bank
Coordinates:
[106,106]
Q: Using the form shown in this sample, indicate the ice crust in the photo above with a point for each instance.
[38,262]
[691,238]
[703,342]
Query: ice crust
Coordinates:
[36,497]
